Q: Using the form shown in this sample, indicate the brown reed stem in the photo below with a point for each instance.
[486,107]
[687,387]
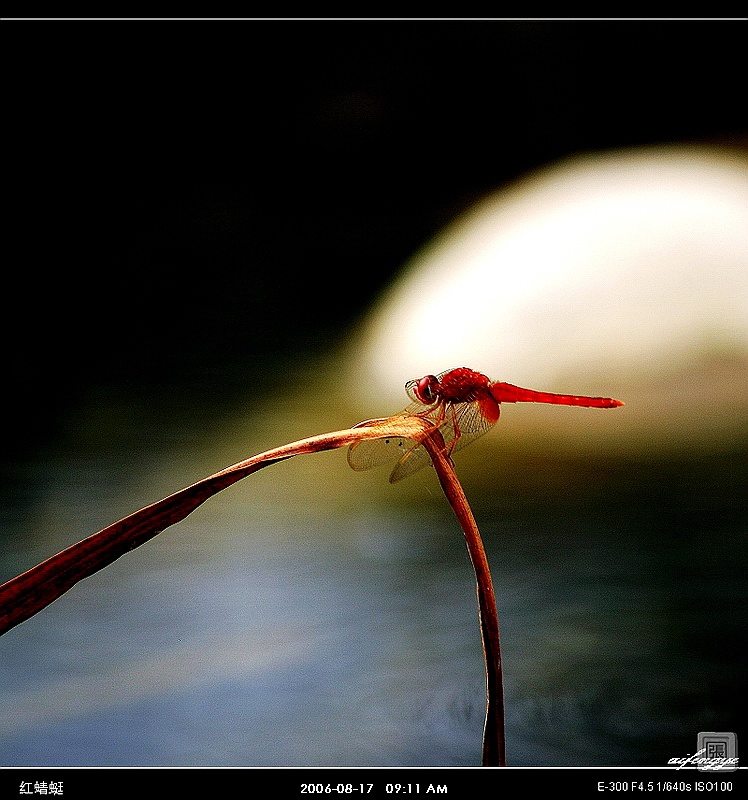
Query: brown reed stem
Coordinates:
[28,593]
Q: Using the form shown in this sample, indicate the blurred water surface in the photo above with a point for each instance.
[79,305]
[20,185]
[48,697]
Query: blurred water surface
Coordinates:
[313,616]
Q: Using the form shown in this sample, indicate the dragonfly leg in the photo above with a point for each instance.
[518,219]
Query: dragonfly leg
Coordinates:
[456,429]
[437,416]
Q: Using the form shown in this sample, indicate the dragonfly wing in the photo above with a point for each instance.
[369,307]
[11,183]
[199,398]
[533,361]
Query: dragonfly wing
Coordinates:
[472,420]
[467,438]
[447,419]
[411,461]
[468,418]
[369,453]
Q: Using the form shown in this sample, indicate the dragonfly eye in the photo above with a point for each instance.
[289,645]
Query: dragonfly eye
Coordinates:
[424,389]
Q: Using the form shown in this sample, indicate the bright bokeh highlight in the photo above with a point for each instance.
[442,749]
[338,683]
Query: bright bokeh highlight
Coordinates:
[606,274]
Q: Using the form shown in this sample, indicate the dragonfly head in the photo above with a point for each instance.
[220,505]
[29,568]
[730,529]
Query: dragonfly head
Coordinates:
[424,390]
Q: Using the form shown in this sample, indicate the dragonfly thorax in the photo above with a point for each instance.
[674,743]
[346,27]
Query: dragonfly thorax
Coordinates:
[460,385]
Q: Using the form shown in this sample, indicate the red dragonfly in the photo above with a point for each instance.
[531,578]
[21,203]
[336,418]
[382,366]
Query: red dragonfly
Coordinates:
[463,405]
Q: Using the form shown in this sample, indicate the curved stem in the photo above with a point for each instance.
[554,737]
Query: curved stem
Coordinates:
[28,593]
[25,595]
[494,734]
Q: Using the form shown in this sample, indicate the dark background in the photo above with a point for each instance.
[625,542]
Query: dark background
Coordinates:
[195,198]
